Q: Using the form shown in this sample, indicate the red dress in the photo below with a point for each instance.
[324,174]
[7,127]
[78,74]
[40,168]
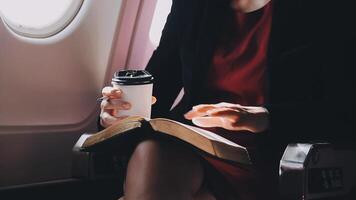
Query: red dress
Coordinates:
[238,75]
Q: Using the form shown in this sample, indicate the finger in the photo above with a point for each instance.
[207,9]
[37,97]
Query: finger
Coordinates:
[199,111]
[222,122]
[107,124]
[154,100]
[106,119]
[204,107]
[208,122]
[219,110]
[231,105]
[111,92]
[228,113]
[115,104]
[193,114]
[225,104]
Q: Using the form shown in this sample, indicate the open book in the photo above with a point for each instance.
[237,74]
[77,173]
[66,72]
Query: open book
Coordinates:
[202,140]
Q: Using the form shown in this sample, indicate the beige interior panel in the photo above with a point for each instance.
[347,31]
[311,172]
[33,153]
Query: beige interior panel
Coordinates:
[55,81]
[48,91]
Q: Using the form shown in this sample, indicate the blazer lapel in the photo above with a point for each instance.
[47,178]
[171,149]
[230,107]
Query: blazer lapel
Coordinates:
[209,31]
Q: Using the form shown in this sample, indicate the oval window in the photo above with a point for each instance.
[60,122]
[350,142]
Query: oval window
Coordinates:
[38,18]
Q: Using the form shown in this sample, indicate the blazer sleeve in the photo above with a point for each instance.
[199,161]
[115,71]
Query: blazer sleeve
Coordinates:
[165,63]
[331,118]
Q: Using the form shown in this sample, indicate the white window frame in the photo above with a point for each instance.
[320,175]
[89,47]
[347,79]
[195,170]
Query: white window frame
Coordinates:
[49,30]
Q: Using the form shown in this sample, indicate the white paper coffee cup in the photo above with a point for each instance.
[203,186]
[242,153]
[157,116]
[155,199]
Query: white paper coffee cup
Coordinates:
[136,86]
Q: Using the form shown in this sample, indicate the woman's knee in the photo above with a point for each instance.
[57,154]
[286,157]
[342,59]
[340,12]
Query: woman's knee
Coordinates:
[151,157]
[164,151]
[147,149]
[168,160]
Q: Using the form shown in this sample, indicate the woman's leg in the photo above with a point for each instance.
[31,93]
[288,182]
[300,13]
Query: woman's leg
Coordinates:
[164,170]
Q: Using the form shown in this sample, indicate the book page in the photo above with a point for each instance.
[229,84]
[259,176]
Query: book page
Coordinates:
[208,134]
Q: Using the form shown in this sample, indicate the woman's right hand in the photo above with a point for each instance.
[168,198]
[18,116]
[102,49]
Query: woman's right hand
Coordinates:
[111,106]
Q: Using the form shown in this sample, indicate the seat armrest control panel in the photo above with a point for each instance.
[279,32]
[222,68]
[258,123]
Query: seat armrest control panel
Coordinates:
[317,171]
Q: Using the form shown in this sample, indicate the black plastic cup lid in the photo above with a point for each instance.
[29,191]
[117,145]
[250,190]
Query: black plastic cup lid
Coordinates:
[132,77]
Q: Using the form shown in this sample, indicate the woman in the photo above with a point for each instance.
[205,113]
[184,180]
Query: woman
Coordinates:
[258,72]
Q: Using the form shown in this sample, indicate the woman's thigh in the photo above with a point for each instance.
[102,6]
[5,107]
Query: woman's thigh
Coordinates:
[162,169]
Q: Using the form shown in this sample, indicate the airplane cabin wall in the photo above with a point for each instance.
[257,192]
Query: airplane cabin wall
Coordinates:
[49,86]
[48,91]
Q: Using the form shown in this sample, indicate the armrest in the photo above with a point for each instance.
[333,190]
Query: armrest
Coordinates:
[317,171]
[95,165]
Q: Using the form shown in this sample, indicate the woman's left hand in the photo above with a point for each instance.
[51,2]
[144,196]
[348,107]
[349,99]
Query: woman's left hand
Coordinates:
[229,116]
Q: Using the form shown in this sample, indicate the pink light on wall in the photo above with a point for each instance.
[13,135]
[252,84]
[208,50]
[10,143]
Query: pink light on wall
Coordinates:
[159,20]
[124,36]
[139,33]
[151,20]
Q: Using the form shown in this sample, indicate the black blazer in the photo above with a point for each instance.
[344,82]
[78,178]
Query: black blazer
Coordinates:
[311,66]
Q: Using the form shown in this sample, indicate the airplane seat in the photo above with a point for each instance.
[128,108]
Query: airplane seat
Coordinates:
[318,171]
[94,166]
[308,171]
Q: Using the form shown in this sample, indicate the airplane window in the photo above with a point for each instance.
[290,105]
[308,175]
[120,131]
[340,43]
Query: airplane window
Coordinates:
[38,18]
[159,19]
